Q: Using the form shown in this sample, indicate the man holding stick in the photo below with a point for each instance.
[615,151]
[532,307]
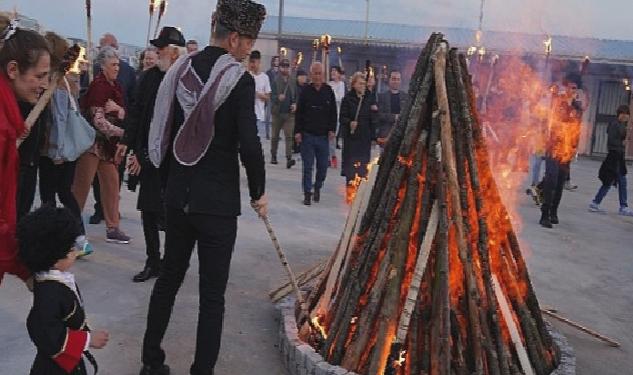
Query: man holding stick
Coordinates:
[205,110]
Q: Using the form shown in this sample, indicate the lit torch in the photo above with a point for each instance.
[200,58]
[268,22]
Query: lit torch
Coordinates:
[315,50]
[325,43]
[161,12]
[339,51]
[151,17]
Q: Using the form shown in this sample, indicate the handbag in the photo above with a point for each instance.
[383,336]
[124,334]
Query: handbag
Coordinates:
[77,136]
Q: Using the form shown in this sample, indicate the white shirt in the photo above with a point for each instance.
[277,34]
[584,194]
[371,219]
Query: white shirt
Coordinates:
[339,90]
[262,86]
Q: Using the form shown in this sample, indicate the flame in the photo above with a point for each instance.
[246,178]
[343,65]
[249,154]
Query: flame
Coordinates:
[317,325]
[548,44]
[352,187]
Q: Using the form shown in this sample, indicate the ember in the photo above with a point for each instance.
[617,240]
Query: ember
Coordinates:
[428,277]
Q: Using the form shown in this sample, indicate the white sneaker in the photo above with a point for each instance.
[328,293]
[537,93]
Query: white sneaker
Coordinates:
[625,211]
[593,207]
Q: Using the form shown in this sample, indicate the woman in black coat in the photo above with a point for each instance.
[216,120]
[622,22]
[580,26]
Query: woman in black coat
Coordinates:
[358,129]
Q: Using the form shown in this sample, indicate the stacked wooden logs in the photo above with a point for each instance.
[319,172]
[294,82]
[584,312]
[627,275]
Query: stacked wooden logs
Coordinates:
[428,277]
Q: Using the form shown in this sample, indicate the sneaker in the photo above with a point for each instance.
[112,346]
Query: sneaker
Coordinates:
[115,235]
[569,186]
[625,211]
[86,249]
[334,162]
[594,207]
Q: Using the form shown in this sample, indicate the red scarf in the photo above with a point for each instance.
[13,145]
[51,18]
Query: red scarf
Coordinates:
[11,127]
[100,91]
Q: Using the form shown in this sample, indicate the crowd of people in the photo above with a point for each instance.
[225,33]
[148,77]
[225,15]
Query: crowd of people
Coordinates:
[178,128]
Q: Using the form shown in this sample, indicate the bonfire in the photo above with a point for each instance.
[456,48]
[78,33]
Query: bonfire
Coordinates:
[428,277]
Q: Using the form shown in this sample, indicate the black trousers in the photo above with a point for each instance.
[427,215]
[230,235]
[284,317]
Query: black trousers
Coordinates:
[151,222]
[215,237]
[553,183]
[56,181]
[27,182]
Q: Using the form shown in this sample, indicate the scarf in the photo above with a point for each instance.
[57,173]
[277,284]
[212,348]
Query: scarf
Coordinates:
[100,91]
[199,103]
[11,128]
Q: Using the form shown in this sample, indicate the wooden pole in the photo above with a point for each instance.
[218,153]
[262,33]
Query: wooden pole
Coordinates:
[39,106]
[582,328]
[89,39]
[448,162]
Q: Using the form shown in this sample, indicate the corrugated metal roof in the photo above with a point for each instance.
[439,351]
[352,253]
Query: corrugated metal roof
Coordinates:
[396,34]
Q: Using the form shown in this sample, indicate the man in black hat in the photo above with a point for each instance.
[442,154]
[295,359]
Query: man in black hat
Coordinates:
[203,120]
[171,45]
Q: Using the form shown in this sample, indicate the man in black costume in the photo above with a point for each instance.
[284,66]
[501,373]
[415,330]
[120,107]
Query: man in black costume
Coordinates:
[203,118]
[171,45]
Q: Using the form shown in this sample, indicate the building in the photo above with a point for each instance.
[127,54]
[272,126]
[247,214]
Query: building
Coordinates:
[606,82]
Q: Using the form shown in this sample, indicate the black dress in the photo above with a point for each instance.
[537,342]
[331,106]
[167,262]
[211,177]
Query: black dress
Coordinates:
[57,327]
[357,146]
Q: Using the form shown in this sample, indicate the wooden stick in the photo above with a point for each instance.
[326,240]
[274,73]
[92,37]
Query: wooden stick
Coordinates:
[89,38]
[582,328]
[360,104]
[305,277]
[512,327]
[448,161]
[284,262]
[35,113]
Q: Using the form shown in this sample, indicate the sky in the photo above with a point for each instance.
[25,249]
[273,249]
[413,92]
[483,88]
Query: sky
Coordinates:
[608,19]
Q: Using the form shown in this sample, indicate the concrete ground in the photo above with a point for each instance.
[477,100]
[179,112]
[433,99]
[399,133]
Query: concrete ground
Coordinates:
[583,268]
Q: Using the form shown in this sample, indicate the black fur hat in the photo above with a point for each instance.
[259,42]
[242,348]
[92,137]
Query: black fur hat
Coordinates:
[242,16]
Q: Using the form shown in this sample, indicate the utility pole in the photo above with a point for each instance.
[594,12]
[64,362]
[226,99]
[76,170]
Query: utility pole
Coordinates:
[367,24]
[281,17]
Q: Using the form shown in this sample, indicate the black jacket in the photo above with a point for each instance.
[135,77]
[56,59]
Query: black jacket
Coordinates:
[212,186]
[55,314]
[138,120]
[31,148]
[316,111]
[387,120]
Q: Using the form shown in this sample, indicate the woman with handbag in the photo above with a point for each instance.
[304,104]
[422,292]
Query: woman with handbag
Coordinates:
[103,106]
[68,135]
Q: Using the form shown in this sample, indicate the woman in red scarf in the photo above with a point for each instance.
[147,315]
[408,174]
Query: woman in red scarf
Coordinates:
[24,68]
[103,106]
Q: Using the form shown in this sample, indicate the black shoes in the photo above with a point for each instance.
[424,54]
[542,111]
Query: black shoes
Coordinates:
[147,370]
[546,221]
[273,160]
[553,218]
[317,195]
[290,163]
[96,218]
[307,199]
[146,274]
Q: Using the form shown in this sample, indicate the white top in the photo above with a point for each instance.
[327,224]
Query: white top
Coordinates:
[339,90]
[262,86]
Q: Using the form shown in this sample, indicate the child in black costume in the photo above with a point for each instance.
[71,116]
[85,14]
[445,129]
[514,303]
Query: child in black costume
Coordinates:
[57,322]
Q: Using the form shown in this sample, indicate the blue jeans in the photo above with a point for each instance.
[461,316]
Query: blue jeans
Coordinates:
[535,168]
[312,147]
[604,189]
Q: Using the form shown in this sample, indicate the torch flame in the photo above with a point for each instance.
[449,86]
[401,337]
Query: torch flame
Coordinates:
[548,44]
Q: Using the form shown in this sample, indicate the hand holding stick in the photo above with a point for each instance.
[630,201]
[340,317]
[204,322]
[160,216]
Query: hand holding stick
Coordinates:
[360,104]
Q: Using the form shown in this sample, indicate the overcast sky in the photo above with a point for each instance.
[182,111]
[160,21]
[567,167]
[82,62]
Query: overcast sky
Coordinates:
[127,19]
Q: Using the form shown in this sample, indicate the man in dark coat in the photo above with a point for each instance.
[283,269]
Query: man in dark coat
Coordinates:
[170,44]
[315,126]
[204,118]
[390,106]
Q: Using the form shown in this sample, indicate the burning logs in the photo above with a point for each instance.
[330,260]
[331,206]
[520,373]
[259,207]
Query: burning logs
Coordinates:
[431,279]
